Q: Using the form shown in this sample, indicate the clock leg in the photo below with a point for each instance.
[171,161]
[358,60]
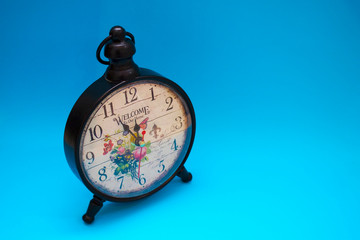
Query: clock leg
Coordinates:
[184,175]
[94,206]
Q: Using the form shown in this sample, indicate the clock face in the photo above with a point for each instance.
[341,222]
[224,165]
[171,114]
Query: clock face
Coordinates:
[135,139]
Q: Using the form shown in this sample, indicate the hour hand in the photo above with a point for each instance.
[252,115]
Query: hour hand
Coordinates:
[126,129]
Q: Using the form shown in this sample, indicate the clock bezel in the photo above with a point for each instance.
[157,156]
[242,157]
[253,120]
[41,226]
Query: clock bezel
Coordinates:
[90,99]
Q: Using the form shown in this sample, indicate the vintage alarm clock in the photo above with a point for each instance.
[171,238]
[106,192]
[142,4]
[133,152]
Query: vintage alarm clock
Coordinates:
[131,131]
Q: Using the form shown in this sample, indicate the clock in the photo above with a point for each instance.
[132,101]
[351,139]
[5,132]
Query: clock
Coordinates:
[131,131]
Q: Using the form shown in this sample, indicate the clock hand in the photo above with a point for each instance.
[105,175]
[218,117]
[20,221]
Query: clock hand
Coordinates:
[127,128]
[139,162]
[136,128]
[138,138]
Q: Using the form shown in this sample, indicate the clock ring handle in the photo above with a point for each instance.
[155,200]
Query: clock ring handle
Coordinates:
[117,34]
[98,51]
[130,36]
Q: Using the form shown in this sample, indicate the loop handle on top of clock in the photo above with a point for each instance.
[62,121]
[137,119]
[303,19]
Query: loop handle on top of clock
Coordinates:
[119,50]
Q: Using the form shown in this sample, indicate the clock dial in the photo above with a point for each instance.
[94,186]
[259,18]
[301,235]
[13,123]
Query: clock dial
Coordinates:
[136,139]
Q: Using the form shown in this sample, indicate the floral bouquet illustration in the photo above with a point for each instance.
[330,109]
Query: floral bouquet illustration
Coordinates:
[127,155]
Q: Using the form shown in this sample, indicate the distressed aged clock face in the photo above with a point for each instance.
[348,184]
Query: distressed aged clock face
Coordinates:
[135,139]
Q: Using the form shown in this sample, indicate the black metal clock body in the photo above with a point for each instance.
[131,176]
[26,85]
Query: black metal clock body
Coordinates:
[130,132]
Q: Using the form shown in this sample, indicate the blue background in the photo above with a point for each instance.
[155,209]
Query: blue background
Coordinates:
[276,89]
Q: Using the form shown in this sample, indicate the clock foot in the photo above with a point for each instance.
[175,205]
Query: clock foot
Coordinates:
[94,206]
[184,175]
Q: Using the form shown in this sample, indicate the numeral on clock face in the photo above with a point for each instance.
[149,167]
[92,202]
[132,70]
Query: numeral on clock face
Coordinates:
[152,94]
[97,133]
[174,146]
[90,156]
[142,180]
[111,110]
[102,175]
[169,101]
[132,93]
[121,180]
[162,166]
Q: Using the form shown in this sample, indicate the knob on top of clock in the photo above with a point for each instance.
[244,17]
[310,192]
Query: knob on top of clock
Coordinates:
[119,50]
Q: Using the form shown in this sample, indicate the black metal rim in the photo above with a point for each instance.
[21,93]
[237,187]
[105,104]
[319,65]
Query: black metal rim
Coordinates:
[160,79]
